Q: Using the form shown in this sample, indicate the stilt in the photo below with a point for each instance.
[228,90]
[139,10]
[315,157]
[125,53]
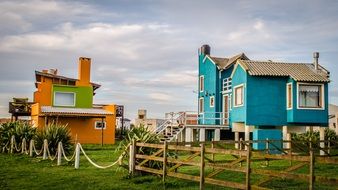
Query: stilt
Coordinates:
[188,134]
[202,135]
[285,133]
[247,134]
[217,135]
[236,139]
[322,138]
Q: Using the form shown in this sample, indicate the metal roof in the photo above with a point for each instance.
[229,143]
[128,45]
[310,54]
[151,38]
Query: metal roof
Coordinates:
[50,110]
[298,71]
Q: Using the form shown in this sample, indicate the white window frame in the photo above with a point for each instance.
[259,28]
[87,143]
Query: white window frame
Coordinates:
[105,125]
[226,85]
[287,96]
[74,102]
[234,91]
[201,106]
[223,111]
[322,96]
[213,105]
[200,83]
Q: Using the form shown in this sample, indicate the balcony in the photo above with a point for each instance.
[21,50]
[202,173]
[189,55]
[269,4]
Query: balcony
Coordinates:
[20,107]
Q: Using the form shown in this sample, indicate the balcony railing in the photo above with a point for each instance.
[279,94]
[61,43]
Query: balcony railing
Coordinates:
[218,118]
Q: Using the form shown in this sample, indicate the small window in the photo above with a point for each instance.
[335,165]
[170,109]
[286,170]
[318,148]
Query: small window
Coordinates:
[238,96]
[64,99]
[212,101]
[289,95]
[201,83]
[310,96]
[100,125]
[201,105]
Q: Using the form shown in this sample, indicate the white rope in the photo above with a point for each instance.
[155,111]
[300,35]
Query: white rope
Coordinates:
[94,164]
[49,156]
[5,147]
[64,155]
[36,152]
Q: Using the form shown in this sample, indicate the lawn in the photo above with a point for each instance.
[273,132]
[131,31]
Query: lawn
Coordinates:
[23,172]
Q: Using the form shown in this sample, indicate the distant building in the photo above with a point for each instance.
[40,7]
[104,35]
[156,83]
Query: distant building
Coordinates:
[126,123]
[151,123]
[69,101]
[333,117]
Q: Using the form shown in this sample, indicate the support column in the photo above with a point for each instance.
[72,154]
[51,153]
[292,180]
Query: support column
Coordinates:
[322,138]
[202,135]
[217,135]
[285,133]
[247,134]
[236,139]
[194,135]
[188,134]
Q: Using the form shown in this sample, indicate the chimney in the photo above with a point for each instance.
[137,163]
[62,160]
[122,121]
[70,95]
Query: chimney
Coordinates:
[205,49]
[84,71]
[315,60]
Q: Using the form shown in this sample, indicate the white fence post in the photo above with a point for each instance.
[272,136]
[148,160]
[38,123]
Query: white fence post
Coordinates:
[31,143]
[45,144]
[77,156]
[59,153]
[12,144]
[23,146]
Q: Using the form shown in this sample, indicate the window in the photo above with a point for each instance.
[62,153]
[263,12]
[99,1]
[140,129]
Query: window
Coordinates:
[310,96]
[100,125]
[227,84]
[201,83]
[289,95]
[212,101]
[238,96]
[64,99]
[201,105]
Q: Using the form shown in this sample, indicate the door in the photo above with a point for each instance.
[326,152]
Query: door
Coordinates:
[225,109]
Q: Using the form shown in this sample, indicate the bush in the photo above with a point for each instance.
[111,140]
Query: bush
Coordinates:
[19,129]
[55,133]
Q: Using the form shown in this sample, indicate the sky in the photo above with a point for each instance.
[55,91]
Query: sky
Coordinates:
[144,52]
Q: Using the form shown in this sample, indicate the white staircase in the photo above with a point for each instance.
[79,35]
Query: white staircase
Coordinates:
[171,127]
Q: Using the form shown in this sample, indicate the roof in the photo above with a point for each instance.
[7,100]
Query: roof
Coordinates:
[224,63]
[49,110]
[298,71]
[49,75]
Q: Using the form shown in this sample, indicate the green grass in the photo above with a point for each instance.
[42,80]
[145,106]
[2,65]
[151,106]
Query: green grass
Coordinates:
[23,172]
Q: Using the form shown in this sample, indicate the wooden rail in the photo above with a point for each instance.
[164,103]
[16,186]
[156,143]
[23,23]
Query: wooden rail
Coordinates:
[203,156]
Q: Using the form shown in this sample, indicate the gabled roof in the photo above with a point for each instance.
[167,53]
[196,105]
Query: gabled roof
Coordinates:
[224,63]
[49,75]
[298,71]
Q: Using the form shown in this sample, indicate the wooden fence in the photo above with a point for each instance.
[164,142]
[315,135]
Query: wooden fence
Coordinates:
[166,160]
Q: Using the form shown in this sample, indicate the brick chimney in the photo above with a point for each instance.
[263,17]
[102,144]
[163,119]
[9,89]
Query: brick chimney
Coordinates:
[84,71]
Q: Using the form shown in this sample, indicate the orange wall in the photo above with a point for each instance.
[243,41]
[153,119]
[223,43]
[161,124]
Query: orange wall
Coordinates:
[84,72]
[43,94]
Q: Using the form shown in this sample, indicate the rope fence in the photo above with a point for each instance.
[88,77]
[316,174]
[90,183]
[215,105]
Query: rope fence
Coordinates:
[13,147]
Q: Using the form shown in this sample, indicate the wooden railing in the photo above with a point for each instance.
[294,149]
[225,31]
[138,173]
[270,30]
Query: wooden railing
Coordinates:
[172,157]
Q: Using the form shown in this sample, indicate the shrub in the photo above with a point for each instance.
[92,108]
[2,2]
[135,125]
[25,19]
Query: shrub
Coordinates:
[19,129]
[55,133]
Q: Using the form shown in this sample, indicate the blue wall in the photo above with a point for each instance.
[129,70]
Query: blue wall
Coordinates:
[263,134]
[266,101]
[238,114]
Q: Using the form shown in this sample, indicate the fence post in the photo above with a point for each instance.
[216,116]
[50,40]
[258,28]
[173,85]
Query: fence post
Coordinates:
[77,156]
[267,147]
[12,144]
[248,155]
[329,146]
[45,144]
[311,168]
[31,144]
[202,167]
[165,149]
[23,146]
[240,148]
[132,150]
[290,150]
[213,155]
[59,153]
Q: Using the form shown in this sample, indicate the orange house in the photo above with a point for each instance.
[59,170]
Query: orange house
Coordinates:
[70,101]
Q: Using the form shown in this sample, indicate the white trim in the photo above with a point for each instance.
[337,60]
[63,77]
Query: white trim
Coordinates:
[64,93]
[212,61]
[234,91]
[199,88]
[235,67]
[223,114]
[105,125]
[322,96]
[212,97]
[230,102]
[287,96]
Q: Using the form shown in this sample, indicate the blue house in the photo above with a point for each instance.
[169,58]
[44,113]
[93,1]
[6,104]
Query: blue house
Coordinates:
[262,99]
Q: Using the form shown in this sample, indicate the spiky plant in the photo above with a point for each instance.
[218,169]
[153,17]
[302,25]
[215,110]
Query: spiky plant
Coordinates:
[55,133]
